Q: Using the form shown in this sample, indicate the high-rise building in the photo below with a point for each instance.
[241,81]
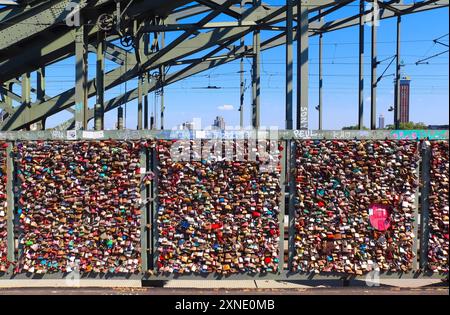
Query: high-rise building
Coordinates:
[405,89]
[219,123]
[195,124]
[187,126]
[381,124]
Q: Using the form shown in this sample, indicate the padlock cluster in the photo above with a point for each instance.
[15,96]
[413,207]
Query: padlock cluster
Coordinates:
[439,205]
[79,207]
[3,210]
[337,182]
[215,215]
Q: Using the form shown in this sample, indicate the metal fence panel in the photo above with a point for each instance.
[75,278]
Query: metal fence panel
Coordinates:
[149,200]
[355,206]
[438,205]
[205,229]
[79,208]
[4,209]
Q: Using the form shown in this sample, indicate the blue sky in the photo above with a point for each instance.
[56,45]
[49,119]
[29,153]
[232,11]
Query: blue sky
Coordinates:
[429,85]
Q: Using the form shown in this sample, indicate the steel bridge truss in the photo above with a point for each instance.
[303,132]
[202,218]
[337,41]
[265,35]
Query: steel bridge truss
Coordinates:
[205,34]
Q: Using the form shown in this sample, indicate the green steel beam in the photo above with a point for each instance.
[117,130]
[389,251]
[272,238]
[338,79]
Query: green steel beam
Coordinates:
[9,94]
[374,66]
[256,74]
[273,42]
[129,71]
[55,40]
[385,14]
[303,66]
[26,96]
[289,65]
[162,72]
[361,66]
[215,5]
[66,99]
[100,101]
[81,69]
[38,19]
[39,46]
[431,135]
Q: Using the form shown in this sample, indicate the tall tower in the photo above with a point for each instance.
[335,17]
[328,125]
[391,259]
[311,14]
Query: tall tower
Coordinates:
[381,124]
[405,89]
[219,123]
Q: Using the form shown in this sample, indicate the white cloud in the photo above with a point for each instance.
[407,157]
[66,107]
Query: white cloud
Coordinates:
[226,107]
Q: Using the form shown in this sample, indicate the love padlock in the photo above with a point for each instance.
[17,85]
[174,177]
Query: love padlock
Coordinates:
[438,251]
[79,206]
[217,234]
[350,195]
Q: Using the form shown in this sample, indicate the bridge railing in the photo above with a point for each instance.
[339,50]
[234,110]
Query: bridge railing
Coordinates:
[217,205]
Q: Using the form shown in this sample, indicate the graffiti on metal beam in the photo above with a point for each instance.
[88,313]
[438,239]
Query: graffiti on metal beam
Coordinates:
[419,134]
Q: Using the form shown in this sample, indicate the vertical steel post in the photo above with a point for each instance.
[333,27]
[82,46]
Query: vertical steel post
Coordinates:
[282,214]
[148,209]
[416,262]
[320,81]
[26,92]
[242,86]
[361,66]
[292,145]
[40,91]
[146,103]
[163,105]
[26,89]
[146,83]
[425,211]
[256,81]
[40,84]
[302,66]
[144,201]
[253,86]
[154,209]
[242,92]
[374,83]
[140,52]
[397,76]
[100,82]
[81,99]
[289,63]
[140,102]
[8,100]
[10,202]
[162,71]
[118,17]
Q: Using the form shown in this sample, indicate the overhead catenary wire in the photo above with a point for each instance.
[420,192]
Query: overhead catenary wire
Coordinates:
[425,61]
[438,40]
[333,62]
